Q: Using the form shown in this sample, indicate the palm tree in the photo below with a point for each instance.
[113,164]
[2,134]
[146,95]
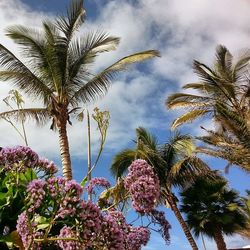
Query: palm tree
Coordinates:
[222,93]
[212,209]
[55,68]
[173,162]
[245,232]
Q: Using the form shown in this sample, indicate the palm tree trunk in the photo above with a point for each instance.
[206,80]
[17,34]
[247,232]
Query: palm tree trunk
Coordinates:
[218,237]
[173,206]
[64,150]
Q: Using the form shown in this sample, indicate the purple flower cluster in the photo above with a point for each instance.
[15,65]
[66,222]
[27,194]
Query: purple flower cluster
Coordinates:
[120,235]
[71,192]
[112,235]
[143,185]
[66,193]
[67,232]
[100,181]
[23,229]
[85,225]
[91,220]
[20,158]
[36,194]
[137,237]
[49,167]
[27,231]
[158,217]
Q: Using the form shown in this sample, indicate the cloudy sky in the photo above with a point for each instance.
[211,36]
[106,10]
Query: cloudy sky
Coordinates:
[181,30]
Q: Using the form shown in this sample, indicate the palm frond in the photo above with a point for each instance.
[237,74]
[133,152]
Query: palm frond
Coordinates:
[205,73]
[234,123]
[223,63]
[40,115]
[179,100]
[75,18]
[189,117]
[182,144]
[146,138]
[21,76]
[98,86]
[122,161]
[202,87]
[123,63]
[84,51]
[185,171]
[240,69]
[29,39]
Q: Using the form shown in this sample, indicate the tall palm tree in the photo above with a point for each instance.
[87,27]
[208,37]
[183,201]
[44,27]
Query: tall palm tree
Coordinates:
[223,93]
[56,69]
[173,162]
[212,209]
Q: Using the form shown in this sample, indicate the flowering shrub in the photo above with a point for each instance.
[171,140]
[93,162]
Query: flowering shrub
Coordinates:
[143,185]
[56,203]
[50,211]
[19,166]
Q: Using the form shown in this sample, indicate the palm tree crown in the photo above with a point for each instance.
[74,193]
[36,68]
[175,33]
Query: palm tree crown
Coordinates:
[222,93]
[55,68]
[212,209]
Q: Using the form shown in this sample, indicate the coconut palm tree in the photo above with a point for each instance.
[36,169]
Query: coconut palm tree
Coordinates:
[212,209]
[223,94]
[55,67]
[173,162]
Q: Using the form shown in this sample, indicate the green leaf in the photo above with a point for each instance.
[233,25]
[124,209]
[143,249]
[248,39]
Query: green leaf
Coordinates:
[42,226]
[6,238]
[84,181]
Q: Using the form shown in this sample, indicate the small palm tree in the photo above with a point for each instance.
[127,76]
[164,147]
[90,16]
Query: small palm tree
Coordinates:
[212,209]
[222,93]
[55,68]
[173,162]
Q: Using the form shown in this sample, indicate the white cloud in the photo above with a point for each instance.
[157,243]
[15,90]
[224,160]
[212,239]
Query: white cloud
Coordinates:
[181,30]
[235,241]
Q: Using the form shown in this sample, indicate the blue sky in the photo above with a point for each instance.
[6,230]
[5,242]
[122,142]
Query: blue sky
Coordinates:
[182,31]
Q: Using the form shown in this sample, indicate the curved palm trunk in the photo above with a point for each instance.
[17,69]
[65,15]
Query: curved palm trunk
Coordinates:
[218,237]
[173,206]
[64,150]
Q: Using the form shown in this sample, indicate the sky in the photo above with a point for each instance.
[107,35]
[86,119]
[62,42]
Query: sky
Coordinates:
[182,31]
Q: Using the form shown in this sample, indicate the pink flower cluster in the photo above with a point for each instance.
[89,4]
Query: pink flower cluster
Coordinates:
[20,158]
[100,181]
[143,185]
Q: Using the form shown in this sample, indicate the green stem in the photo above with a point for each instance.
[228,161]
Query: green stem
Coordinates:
[89,153]
[113,205]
